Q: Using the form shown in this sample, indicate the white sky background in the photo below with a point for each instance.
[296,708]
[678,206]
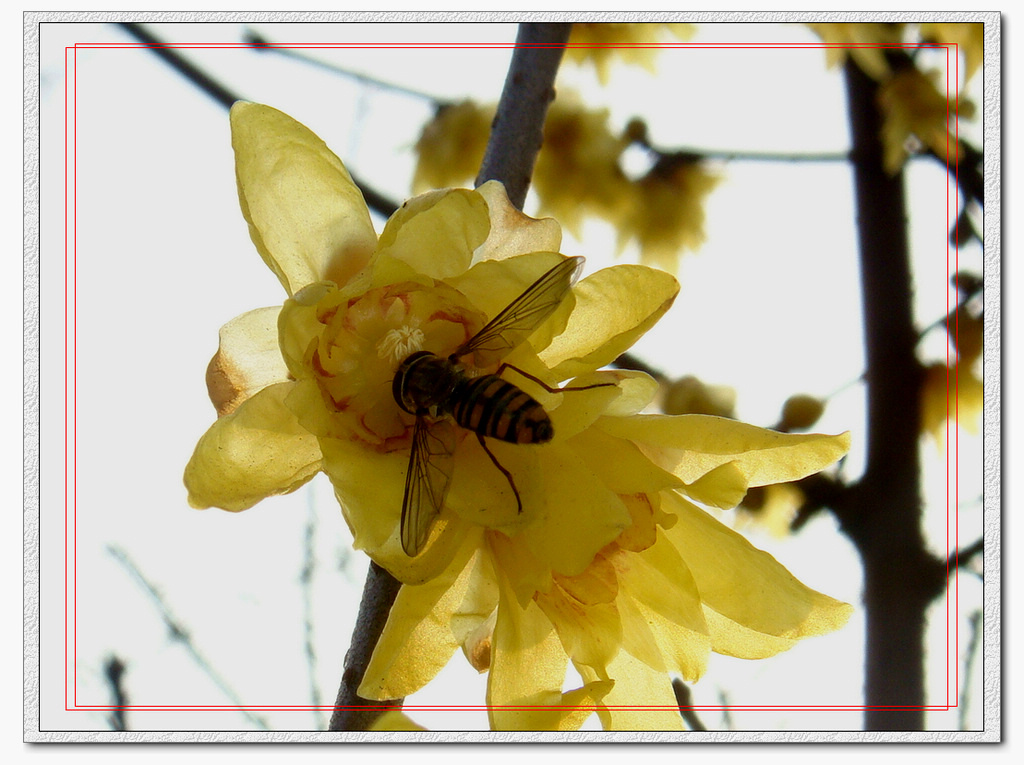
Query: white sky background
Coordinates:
[770,306]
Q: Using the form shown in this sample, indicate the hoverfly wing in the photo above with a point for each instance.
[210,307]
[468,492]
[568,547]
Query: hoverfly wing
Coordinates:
[426,481]
[522,316]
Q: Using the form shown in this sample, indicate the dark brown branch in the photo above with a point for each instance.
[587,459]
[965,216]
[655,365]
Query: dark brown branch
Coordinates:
[963,556]
[518,128]
[882,514]
[684,698]
[351,711]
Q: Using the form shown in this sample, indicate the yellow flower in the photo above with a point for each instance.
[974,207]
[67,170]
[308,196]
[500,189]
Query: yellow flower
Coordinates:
[577,171]
[665,213]
[951,393]
[969,39]
[599,556]
[913,108]
[634,44]
[689,395]
[865,43]
[451,146]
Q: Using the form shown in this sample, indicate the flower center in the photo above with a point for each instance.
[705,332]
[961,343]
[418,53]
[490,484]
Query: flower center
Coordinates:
[348,348]
[400,343]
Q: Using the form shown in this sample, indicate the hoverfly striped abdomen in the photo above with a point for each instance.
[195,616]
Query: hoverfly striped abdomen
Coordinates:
[496,408]
[437,389]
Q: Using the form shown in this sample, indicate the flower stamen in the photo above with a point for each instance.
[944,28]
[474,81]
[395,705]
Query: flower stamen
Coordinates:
[399,343]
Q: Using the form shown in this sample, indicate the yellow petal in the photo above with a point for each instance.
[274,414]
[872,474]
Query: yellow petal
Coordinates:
[748,587]
[395,721]
[691,445]
[724,487]
[255,452]
[580,515]
[492,285]
[663,621]
[524,688]
[306,217]
[248,359]
[584,613]
[622,466]
[418,639]
[595,335]
[512,232]
[437,232]
[369,486]
[642,698]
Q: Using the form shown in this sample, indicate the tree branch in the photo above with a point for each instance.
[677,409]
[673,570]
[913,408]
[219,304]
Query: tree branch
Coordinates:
[882,514]
[352,711]
[518,128]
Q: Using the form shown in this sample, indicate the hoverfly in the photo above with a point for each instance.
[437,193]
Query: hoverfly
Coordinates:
[438,389]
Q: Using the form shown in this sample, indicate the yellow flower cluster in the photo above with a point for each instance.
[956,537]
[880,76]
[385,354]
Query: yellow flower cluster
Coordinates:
[915,112]
[578,174]
[609,564]
[635,44]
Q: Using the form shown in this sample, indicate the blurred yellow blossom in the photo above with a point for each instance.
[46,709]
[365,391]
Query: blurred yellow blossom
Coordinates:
[665,214]
[969,39]
[689,395]
[913,109]
[864,42]
[610,564]
[451,146]
[953,393]
[633,44]
[577,171]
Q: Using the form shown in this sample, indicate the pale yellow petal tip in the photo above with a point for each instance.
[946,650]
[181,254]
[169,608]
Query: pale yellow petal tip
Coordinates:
[395,721]
[830,615]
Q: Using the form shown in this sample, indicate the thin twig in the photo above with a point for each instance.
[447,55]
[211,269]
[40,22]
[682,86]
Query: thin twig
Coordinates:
[684,698]
[972,651]
[224,96]
[260,43]
[180,634]
[113,669]
[306,578]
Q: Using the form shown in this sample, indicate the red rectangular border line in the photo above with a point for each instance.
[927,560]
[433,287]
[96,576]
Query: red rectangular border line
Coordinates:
[244,46]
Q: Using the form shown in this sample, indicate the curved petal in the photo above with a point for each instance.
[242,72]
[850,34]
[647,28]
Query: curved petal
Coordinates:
[306,217]
[418,639]
[437,232]
[692,445]
[369,486]
[614,308]
[524,686]
[248,359]
[747,587]
[394,721]
[642,698]
[580,515]
[257,451]
[663,622]
[512,231]
[622,466]
[492,285]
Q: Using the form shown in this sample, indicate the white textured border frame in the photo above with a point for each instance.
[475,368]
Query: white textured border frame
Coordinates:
[992,73]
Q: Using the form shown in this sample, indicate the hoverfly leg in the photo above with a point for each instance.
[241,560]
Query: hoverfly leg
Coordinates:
[547,387]
[508,475]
